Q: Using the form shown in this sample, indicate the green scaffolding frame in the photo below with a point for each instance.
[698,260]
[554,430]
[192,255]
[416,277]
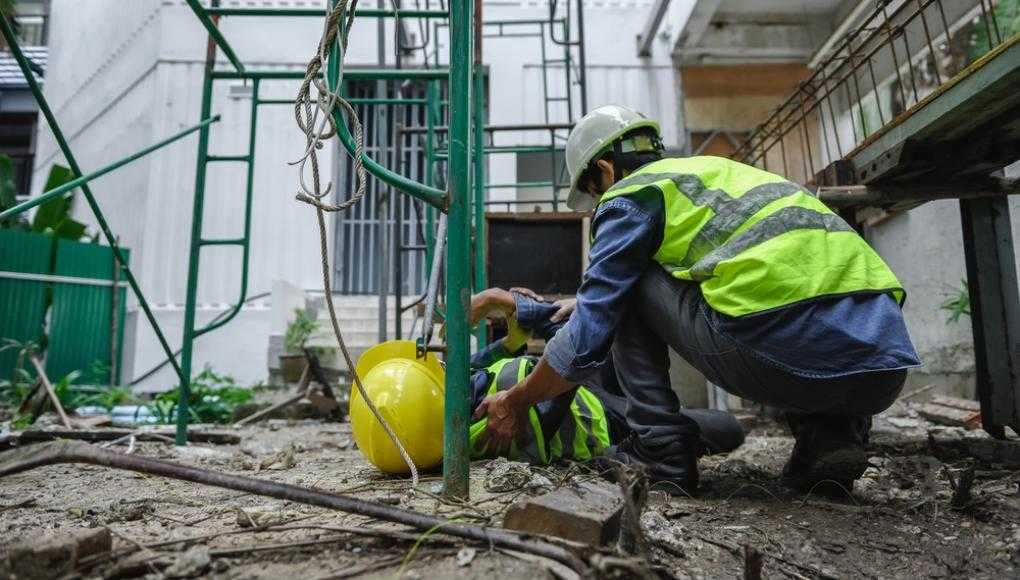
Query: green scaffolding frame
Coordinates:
[463,200]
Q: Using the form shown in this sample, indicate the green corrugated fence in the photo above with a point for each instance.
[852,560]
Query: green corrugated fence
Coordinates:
[79,282]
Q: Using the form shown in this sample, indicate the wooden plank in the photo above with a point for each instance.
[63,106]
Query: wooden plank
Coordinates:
[706,81]
[994,309]
[957,403]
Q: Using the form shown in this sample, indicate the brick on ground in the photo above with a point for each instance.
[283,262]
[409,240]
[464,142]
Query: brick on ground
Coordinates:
[587,513]
[52,556]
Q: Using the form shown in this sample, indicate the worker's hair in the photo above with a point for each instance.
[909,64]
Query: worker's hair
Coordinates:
[625,162]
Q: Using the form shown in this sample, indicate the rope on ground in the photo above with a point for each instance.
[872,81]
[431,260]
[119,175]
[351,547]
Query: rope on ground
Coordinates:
[317,123]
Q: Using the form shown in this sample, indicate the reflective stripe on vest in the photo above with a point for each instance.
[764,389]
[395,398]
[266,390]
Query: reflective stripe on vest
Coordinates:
[753,240]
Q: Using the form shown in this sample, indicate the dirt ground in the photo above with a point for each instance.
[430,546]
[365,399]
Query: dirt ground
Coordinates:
[899,522]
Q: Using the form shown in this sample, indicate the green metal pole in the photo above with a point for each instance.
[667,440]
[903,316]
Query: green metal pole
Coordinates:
[321,12]
[215,33]
[75,183]
[58,136]
[197,211]
[355,74]
[456,450]
[481,250]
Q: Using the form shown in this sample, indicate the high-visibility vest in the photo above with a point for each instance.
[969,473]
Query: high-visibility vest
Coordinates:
[753,240]
[583,433]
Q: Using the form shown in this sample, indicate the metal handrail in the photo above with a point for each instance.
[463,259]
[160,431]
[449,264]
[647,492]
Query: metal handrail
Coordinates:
[845,75]
[76,183]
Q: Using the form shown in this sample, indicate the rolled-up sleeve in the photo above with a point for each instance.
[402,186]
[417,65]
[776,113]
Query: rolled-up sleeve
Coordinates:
[627,234]
[534,316]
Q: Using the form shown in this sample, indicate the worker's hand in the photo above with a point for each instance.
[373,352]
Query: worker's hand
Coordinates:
[566,308]
[491,302]
[505,421]
[529,293]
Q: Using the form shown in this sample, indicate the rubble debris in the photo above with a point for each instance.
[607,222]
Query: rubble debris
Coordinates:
[53,556]
[465,556]
[310,401]
[586,512]
[995,451]
[284,459]
[950,415]
[506,475]
[661,532]
[957,403]
[189,564]
[634,490]
[259,519]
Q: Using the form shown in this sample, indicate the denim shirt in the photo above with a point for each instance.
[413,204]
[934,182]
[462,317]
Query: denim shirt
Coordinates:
[823,338]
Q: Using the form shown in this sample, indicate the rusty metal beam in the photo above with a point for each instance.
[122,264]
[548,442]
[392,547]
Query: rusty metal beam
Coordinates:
[575,556]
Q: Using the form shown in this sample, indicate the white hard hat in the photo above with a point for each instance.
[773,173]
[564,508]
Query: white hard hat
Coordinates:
[591,136]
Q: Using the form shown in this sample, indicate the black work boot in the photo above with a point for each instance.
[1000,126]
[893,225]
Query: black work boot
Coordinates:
[829,452]
[673,466]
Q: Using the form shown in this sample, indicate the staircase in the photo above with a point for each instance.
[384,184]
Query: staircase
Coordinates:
[358,317]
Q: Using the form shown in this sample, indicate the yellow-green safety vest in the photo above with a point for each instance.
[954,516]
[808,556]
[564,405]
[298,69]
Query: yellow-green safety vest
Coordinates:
[753,240]
[583,433]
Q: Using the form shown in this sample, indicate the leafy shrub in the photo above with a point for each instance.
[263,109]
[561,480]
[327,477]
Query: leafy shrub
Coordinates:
[212,399]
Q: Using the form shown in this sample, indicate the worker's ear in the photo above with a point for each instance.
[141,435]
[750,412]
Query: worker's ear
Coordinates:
[605,174]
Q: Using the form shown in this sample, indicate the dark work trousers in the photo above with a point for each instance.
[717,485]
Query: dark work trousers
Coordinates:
[666,312]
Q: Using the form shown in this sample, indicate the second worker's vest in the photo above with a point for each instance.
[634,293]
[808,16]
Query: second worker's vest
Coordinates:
[753,240]
[582,434]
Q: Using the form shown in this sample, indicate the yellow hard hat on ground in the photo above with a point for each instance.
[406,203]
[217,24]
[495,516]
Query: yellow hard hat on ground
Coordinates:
[408,392]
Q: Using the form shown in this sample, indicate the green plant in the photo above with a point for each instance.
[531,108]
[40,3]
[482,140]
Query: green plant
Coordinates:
[298,331]
[957,304]
[14,390]
[54,216]
[8,195]
[212,399]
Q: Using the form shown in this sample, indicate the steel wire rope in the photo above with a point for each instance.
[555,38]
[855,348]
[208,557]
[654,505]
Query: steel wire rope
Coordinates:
[314,116]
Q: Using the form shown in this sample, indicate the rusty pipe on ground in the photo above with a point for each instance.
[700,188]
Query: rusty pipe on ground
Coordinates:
[33,456]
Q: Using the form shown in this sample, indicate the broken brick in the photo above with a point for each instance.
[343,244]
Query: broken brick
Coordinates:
[52,556]
[587,513]
[951,416]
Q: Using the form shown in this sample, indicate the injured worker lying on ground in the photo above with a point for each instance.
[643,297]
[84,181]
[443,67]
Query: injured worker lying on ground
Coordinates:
[579,424]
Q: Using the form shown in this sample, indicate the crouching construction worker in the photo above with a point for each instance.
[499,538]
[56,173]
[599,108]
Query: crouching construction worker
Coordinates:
[751,279]
[578,424]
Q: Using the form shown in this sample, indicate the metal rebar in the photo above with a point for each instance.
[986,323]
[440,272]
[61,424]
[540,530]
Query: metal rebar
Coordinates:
[878,99]
[892,49]
[931,46]
[214,33]
[64,451]
[910,63]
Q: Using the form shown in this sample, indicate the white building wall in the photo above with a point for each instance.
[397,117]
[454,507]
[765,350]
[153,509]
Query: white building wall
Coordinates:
[123,75]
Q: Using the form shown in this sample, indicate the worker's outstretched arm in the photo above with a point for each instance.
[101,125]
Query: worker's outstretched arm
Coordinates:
[507,410]
[627,233]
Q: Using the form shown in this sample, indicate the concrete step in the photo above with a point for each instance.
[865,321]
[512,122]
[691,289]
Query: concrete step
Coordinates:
[360,324]
[359,312]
